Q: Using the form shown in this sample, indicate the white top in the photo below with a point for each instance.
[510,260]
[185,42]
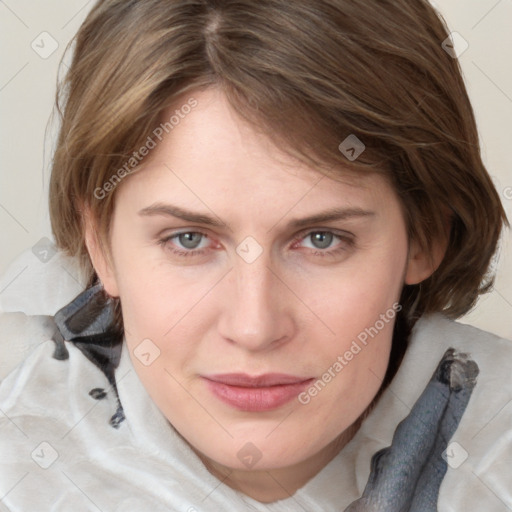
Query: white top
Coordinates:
[58,451]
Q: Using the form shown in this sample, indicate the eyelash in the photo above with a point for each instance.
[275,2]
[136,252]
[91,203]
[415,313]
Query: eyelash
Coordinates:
[348,240]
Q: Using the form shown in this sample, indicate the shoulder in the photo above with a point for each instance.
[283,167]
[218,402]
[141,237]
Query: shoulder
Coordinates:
[480,451]
[477,446]
[434,334]
[50,425]
[56,438]
[42,382]
[490,355]
[45,394]
[20,334]
[439,327]
[55,383]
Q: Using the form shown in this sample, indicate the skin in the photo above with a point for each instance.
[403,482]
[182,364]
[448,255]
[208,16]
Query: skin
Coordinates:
[293,310]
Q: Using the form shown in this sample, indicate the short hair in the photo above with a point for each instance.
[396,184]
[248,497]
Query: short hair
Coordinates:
[308,73]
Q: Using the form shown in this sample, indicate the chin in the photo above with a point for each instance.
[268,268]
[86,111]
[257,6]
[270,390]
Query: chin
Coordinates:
[260,452]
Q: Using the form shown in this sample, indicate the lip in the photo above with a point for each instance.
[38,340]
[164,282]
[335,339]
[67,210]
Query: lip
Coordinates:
[256,393]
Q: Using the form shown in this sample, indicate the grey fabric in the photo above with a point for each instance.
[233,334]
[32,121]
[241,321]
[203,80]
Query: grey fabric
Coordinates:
[406,476]
[88,322]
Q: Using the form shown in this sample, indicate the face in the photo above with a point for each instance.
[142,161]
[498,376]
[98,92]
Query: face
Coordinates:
[263,291]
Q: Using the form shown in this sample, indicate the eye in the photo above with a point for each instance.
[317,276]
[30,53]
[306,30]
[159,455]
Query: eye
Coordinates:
[321,239]
[186,243]
[190,240]
[323,242]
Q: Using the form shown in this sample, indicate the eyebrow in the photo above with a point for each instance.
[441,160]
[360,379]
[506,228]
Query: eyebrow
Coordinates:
[329,215]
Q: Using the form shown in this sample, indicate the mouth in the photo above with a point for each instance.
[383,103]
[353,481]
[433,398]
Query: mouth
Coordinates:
[256,394]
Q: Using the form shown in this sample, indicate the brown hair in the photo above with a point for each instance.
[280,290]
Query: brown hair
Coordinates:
[308,72]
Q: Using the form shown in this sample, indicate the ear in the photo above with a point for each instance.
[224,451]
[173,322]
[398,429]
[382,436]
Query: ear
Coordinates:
[421,264]
[100,257]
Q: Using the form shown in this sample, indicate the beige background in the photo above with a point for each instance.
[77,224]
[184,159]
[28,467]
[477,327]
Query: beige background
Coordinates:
[27,88]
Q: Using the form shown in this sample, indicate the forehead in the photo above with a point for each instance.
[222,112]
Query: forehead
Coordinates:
[212,156]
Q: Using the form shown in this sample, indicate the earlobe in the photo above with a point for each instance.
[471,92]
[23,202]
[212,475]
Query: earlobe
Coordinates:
[99,255]
[422,263]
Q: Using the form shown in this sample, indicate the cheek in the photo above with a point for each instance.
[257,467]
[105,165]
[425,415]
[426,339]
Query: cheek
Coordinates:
[160,314]
[353,297]
[359,307]
[149,300]
[352,363]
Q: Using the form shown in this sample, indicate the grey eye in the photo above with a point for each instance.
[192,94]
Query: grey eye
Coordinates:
[321,239]
[190,240]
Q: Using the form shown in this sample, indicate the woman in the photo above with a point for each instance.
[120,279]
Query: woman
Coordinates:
[281,209]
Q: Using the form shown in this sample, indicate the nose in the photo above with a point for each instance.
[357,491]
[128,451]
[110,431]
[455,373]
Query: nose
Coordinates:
[257,307]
